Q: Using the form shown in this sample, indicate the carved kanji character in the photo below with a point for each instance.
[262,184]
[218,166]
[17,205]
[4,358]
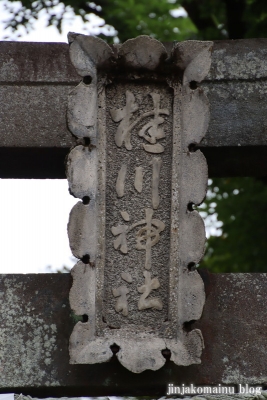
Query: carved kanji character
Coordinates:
[156,163]
[122,301]
[138,181]
[151,130]
[121,241]
[148,236]
[124,115]
[121,180]
[150,284]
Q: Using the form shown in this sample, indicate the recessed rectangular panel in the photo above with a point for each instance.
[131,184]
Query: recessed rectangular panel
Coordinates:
[138,204]
[136,116]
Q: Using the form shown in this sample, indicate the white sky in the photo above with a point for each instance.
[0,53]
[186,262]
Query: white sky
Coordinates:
[33,220]
[34,213]
[42,33]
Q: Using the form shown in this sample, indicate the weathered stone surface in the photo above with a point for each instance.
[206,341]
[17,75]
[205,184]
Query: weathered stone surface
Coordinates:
[31,116]
[82,111]
[195,177]
[82,228]
[194,58]
[50,62]
[142,52]
[192,232]
[230,337]
[26,63]
[191,297]
[34,116]
[191,302]
[140,355]
[144,130]
[189,350]
[192,238]
[85,348]
[82,293]
[88,53]
[28,345]
[81,171]
[238,59]
[196,116]
[121,161]
[35,79]
[237,113]
[36,306]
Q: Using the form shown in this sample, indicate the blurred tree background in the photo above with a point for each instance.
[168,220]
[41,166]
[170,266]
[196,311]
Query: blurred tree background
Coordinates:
[239,205]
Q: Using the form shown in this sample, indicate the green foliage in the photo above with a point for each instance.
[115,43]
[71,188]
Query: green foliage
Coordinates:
[207,19]
[256,17]
[137,17]
[241,205]
[129,17]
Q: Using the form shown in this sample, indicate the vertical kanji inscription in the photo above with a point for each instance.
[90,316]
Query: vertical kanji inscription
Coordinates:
[139,173]
[139,150]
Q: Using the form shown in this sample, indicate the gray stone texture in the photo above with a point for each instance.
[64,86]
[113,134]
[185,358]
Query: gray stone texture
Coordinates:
[147,177]
[196,116]
[37,306]
[31,116]
[134,53]
[31,73]
[85,349]
[35,79]
[237,113]
[194,58]
[140,355]
[82,228]
[187,351]
[82,295]
[81,171]
[135,204]
[82,111]
[87,53]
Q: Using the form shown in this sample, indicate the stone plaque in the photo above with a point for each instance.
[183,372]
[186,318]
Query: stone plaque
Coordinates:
[137,114]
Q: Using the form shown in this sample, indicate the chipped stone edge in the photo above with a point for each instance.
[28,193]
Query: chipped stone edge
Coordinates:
[142,52]
[196,59]
[195,68]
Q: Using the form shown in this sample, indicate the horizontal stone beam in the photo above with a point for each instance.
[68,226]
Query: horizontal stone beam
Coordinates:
[36,322]
[35,79]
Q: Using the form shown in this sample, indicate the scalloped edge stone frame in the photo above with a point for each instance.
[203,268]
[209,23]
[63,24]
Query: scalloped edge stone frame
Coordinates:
[86,175]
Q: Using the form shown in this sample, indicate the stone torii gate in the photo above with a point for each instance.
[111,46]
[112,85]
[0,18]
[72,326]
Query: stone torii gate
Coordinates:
[36,320]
